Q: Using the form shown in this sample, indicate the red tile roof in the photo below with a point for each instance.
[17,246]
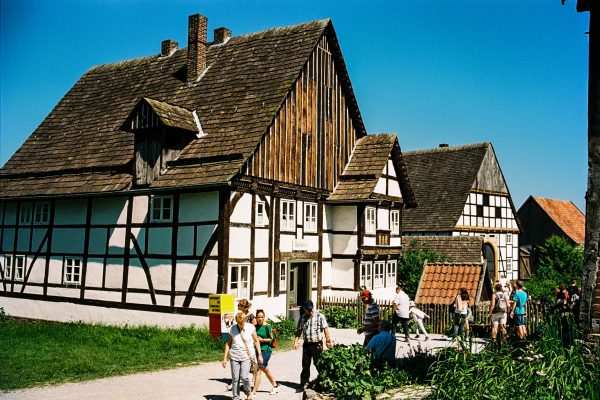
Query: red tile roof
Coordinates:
[566,215]
[440,282]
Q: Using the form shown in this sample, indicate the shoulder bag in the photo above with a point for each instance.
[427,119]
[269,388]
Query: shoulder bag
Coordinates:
[253,363]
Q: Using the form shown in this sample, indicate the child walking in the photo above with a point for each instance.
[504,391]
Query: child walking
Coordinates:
[418,316]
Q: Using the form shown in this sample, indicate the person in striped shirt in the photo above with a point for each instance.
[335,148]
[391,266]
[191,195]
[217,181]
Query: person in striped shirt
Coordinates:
[312,326]
[370,325]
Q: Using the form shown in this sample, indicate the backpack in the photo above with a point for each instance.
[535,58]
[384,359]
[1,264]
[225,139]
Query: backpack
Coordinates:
[500,304]
[274,338]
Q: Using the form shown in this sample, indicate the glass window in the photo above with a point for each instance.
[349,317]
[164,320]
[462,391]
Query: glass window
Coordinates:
[509,238]
[260,213]
[25,213]
[282,276]
[288,217]
[19,267]
[310,217]
[365,275]
[314,274]
[162,209]
[8,266]
[42,213]
[378,274]
[370,226]
[395,222]
[239,280]
[391,273]
[72,271]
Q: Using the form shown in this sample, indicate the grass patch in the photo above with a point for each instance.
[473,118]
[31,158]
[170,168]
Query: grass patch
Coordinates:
[34,353]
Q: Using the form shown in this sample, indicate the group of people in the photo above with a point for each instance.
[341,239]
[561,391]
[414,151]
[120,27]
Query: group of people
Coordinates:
[250,340]
[509,304]
[566,306]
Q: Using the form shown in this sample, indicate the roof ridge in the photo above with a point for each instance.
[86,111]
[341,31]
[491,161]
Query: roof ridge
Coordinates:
[448,148]
[323,22]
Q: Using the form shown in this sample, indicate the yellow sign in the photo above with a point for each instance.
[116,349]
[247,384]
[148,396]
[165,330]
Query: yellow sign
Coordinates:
[220,303]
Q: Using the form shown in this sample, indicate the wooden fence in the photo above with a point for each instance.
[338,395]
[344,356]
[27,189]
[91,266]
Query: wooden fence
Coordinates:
[440,318]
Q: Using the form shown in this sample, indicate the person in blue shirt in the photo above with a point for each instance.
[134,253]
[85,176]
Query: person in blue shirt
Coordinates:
[519,310]
[382,346]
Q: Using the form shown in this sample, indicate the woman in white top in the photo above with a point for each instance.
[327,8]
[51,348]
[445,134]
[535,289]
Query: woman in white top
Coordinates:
[242,345]
[498,309]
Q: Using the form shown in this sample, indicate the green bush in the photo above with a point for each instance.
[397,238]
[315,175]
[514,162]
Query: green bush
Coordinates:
[347,372]
[410,265]
[285,327]
[547,371]
[340,317]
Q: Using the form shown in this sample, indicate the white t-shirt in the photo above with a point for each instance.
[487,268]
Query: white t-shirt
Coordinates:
[238,351]
[403,303]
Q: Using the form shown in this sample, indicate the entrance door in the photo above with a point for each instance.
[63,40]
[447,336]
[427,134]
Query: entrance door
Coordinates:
[298,284]
[490,256]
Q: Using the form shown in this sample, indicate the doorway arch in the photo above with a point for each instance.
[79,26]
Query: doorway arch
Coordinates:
[491,257]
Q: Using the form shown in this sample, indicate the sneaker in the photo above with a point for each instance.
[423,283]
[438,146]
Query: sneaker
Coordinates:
[417,336]
[275,390]
[426,337]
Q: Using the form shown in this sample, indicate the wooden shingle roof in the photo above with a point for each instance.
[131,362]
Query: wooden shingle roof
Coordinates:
[236,98]
[440,282]
[366,165]
[566,215]
[457,248]
[441,179]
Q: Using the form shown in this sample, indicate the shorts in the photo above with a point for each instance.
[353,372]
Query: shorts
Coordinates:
[499,318]
[519,319]
[266,356]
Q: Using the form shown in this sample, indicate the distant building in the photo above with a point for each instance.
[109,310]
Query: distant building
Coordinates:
[542,218]
[461,191]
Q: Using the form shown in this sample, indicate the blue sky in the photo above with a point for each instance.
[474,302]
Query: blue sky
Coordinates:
[511,72]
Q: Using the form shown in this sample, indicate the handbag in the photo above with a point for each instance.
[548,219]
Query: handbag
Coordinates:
[253,363]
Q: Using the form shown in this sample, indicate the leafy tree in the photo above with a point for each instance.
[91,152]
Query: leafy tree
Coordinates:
[410,265]
[560,262]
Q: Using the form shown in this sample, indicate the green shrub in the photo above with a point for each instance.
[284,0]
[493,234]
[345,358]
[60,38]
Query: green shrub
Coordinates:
[347,372]
[340,317]
[286,328]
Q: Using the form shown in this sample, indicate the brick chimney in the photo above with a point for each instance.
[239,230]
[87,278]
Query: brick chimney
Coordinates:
[168,47]
[196,57]
[221,35]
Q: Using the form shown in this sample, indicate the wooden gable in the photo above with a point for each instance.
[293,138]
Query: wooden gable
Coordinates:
[312,136]
[490,177]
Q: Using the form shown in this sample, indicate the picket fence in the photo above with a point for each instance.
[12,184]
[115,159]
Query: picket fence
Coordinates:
[440,318]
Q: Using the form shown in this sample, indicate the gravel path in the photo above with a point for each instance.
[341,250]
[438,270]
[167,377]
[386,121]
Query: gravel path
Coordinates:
[205,381]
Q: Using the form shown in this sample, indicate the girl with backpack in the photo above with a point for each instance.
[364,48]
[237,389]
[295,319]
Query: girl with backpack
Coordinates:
[265,334]
[498,313]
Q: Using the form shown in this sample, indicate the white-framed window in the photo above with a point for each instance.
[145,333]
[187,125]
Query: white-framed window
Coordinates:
[283,276]
[365,275]
[8,266]
[239,280]
[72,271]
[162,209]
[25,213]
[41,213]
[391,273]
[509,238]
[379,270]
[370,226]
[509,264]
[314,274]
[310,217]
[395,222]
[14,264]
[259,220]
[288,215]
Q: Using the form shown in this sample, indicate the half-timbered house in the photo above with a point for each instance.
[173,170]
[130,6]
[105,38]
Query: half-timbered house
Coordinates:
[462,191]
[240,165]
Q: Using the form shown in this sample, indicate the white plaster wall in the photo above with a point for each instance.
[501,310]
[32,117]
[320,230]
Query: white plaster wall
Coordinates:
[327,272]
[396,241]
[381,185]
[69,312]
[160,271]
[285,241]
[93,276]
[208,280]
[102,295]
[199,207]
[139,212]
[326,245]
[344,244]
[390,168]
[394,190]
[109,211]
[239,242]
[344,218]
[369,241]
[383,218]
[70,212]
[261,276]
[342,273]
[242,212]
[184,274]
[261,243]
[55,270]
[114,274]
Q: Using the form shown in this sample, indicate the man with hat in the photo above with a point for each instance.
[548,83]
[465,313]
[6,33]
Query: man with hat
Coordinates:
[370,325]
[312,326]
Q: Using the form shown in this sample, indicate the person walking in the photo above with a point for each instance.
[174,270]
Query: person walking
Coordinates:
[244,306]
[264,331]
[401,311]
[498,313]
[312,326]
[371,319]
[418,316]
[461,305]
[242,337]
[519,310]
[383,346]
